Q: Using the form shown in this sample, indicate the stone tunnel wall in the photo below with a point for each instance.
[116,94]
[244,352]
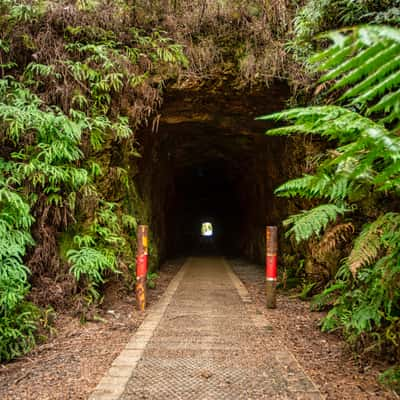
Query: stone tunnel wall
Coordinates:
[209,158]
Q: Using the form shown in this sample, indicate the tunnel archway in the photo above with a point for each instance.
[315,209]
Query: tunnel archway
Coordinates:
[210,160]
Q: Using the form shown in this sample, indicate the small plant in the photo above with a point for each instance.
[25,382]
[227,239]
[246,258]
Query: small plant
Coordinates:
[391,378]
[306,290]
[17,331]
[151,279]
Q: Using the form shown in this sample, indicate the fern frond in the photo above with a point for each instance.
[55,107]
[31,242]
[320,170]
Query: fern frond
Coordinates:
[391,81]
[312,222]
[369,69]
[386,104]
[332,122]
[356,61]
[340,54]
[363,69]
[297,186]
[369,244]
[321,186]
[334,236]
[92,263]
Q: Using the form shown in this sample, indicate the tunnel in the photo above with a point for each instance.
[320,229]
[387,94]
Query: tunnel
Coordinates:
[206,159]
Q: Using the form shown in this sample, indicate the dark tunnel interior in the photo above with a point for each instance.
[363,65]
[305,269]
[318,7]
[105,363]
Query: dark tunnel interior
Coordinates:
[209,195]
[210,161]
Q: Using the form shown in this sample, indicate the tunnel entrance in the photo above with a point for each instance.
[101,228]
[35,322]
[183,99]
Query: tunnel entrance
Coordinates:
[209,160]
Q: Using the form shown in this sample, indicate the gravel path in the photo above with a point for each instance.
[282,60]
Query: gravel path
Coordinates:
[211,343]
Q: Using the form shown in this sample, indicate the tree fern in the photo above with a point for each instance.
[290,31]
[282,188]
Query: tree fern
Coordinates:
[364,142]
[371,67]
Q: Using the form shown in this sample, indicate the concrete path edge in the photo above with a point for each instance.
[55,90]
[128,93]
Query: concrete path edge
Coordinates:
[114,382]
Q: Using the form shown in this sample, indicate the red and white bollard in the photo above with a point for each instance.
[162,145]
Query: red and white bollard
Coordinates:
[141,266]
[271,270]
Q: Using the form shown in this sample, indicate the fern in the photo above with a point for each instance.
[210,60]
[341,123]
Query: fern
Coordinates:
[18,319]
[35,70]
[312,222]
[371,241]
[334,236]
[334,188]
[371,68]
[100,248]
[332,122]
[364,144]
[91,263]
[56,114]
[17,331]
[368,305]
[318,16]
[25,13]
[362,171]
[46,164]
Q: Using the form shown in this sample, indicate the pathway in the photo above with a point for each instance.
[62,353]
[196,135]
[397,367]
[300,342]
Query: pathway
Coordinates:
[203,341]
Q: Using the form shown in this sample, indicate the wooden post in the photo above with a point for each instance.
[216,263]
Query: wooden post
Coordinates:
[271,265]
[141,266]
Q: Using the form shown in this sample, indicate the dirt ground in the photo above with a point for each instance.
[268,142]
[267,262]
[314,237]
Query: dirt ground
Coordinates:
[324,357]
[70,364]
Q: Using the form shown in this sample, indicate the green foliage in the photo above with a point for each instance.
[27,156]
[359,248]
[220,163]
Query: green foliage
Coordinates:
[312,222]
[391,378]
[306,290]
[45,164]
[100,247]
[151,279]
[359,177]
[17,331]
[323,15]
[367,309]
[375,238]
[91,262]
[15,221]
[366,63]
[18,319]
[334,123]
[105,68]
[16,12]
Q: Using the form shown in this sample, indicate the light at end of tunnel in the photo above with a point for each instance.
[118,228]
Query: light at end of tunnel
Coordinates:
[206,229]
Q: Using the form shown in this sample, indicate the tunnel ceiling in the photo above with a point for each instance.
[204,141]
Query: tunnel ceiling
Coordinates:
[199,126]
